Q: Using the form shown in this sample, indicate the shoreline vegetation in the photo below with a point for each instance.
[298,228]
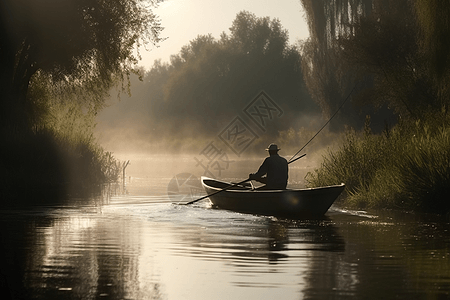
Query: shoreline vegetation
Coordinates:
[406,167]
[52,85]
[396,56]
[44,166]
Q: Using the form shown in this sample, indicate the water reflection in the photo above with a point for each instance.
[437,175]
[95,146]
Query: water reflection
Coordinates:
[123,253]
[138,247]
[82,256]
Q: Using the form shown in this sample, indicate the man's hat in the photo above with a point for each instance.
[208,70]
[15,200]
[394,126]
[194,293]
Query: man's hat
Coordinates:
[272,147]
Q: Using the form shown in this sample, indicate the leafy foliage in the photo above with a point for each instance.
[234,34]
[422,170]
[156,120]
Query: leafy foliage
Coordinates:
[433,38]
[399,71]
[210,81]
[78,44]
[330,78]
[384,46]
[211,76]
[59,60]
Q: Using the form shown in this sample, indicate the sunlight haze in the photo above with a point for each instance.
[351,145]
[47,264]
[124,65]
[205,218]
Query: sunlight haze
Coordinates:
[184,20]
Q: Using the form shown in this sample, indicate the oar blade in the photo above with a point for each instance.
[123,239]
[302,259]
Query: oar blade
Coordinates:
[229,187]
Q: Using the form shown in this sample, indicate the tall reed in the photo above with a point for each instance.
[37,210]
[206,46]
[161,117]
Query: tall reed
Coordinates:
[405,167]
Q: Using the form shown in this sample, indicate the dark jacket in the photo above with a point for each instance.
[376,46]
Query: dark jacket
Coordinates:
[276,169]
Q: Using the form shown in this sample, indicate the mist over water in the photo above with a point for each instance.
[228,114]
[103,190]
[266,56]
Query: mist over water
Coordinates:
[128,131]
[238,138]
[230,152]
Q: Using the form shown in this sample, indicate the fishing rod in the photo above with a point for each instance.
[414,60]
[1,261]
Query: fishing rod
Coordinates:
[324,124]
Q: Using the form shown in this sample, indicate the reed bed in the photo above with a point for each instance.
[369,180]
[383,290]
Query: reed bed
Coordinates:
[406,167]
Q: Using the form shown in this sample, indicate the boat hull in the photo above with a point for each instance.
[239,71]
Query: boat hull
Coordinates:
[293,204]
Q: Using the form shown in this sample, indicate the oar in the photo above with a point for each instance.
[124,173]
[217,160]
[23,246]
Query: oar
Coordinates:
[233,185]
[228,187]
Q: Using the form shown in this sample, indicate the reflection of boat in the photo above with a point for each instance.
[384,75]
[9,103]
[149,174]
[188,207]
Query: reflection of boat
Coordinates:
[294,204]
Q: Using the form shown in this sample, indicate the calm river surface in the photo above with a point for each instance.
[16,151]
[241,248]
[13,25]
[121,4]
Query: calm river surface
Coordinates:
[139,245]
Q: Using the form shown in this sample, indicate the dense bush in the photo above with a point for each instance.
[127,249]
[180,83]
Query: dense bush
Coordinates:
[57,158]
[42,166]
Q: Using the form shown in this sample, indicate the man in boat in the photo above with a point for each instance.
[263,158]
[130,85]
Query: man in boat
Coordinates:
[273,172]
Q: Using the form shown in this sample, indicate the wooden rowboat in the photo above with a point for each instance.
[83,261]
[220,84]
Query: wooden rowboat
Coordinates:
[290,203]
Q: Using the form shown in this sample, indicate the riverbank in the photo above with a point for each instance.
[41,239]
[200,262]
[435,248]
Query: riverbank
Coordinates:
[42,166]
[406,167]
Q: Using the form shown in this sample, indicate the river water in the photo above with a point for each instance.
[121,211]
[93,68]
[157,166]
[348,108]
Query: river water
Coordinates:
[137,244]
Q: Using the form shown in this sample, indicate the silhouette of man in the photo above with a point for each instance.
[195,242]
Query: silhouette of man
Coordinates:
[275,168]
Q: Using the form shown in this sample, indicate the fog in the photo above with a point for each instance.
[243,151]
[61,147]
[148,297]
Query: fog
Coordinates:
[130,124]
[222,144]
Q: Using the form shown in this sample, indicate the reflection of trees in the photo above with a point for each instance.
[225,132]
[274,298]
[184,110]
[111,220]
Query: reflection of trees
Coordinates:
[384,258]
[13,242]
[77,257]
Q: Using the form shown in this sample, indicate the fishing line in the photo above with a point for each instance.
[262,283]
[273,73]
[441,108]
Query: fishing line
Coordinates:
[325,124]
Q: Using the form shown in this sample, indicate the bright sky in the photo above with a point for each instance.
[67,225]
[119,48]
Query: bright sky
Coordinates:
[184,20]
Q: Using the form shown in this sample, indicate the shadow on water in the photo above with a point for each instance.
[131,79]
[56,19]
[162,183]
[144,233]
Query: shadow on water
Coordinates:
[266,239]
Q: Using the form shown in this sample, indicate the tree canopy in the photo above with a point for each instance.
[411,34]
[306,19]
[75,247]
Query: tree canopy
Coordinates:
[211,81]
[211,76]
[395,51]
[74,44]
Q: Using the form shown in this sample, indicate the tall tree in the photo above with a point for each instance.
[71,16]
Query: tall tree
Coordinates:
[434,23]
[72,43]
[398,48]
[328,77]
[384,45]
[223,75]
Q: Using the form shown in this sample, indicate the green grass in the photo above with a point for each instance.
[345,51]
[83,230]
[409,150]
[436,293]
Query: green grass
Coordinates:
[407,167]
